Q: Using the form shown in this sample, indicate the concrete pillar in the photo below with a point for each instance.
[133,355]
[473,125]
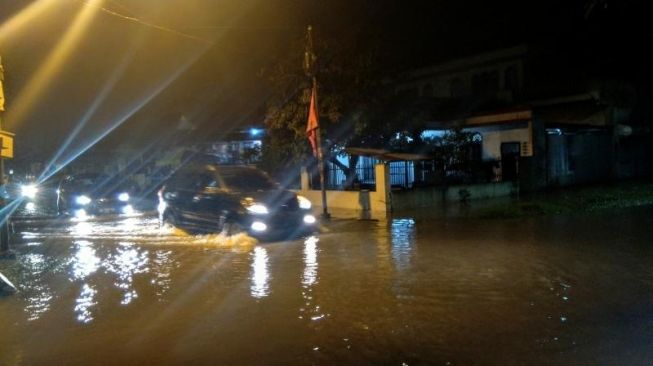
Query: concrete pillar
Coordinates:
[383,191]
[305,179]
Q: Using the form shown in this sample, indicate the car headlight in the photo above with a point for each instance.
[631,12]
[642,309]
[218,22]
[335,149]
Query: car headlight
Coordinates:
[309,219]
[124,197]
[304,203]
[258,208]
[259,226]
[82,200]
[29,190]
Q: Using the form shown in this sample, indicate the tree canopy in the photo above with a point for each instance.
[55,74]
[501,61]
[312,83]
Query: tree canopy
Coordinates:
[356,104]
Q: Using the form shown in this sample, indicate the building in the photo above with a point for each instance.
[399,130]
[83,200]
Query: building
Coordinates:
[542,122]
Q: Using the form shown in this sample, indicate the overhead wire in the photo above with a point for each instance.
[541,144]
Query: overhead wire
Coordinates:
[145,23]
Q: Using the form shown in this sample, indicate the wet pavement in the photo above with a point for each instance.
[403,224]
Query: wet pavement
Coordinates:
[407,290]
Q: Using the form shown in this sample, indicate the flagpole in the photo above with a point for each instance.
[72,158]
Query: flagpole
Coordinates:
[320,159]
[309,64]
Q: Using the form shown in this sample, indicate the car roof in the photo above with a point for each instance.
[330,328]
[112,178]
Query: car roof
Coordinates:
[220,167]
[86,176]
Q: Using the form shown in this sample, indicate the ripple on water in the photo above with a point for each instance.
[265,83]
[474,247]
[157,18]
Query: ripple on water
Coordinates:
[141,230]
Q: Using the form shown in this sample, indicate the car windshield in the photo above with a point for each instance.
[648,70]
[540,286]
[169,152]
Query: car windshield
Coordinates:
[86,182]
[98,183]
[246,180]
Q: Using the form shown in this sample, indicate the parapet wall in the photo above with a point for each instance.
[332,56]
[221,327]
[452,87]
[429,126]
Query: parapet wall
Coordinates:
[437,196]
[383,200]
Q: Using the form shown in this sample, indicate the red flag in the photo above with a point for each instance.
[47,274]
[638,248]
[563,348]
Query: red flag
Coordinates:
[312,125]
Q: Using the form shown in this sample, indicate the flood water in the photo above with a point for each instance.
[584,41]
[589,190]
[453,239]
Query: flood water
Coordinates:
[403,291]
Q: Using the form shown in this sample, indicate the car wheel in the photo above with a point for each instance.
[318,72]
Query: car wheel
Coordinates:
[169,217]
[61,209]
[232,228]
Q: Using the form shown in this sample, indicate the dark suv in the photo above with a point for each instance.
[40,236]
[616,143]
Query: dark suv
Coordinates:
[213,198]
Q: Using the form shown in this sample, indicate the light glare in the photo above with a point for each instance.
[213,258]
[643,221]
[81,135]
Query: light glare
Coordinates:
[258,208]
[128,210]
[29,190]
[304,203]
[83,200]
[309,219]
[259,226]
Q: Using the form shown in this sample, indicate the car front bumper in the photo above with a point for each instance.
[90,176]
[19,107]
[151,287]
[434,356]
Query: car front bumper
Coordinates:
[287,223]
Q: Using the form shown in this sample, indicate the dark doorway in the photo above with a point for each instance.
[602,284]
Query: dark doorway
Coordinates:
[510,152]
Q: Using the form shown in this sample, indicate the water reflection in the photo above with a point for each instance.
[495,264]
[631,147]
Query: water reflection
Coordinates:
[310,261]
[84,303]
[125,227]
[127,262]
[36,291]
[130,224]
[260,274]
[30,207]
[85,261]
[162,267]
[310,309]
[29,235]
[82,228]
[403,239]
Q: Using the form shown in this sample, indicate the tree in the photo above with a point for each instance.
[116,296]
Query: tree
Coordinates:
[453,153]
[348,81]
[356,103]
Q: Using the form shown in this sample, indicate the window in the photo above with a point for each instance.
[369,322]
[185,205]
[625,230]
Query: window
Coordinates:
[245,179]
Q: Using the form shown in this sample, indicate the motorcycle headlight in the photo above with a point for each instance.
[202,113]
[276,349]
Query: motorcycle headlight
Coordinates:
[304,203]
[123,197]
[258,208]
[29,190]
[82,200]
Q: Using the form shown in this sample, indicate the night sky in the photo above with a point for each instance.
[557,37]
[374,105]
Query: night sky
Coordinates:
[204,65]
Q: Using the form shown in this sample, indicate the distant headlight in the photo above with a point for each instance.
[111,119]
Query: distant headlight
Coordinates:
[81,214]
[124,197]
[304,203]
[29,190]
[258,208]
[128,210]
[83,200]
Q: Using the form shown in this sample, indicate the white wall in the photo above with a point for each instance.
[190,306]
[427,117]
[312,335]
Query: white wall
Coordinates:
[492,140]
[374,202]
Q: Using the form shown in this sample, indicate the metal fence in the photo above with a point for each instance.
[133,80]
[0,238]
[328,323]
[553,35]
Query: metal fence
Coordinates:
[411,174]
[336,178]
[402,174]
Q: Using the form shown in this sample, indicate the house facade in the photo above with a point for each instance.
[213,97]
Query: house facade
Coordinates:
[538,123]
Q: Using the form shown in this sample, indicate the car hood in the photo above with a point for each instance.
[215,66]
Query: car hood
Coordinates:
[271,198]
[98,195]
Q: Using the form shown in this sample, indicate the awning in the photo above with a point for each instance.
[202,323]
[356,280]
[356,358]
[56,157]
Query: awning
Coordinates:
[386,155]
[587,113]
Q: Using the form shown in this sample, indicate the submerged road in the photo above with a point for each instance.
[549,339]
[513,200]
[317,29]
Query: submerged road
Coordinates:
[408,290]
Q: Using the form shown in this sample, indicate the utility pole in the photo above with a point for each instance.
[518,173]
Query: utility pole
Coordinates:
[311,70]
